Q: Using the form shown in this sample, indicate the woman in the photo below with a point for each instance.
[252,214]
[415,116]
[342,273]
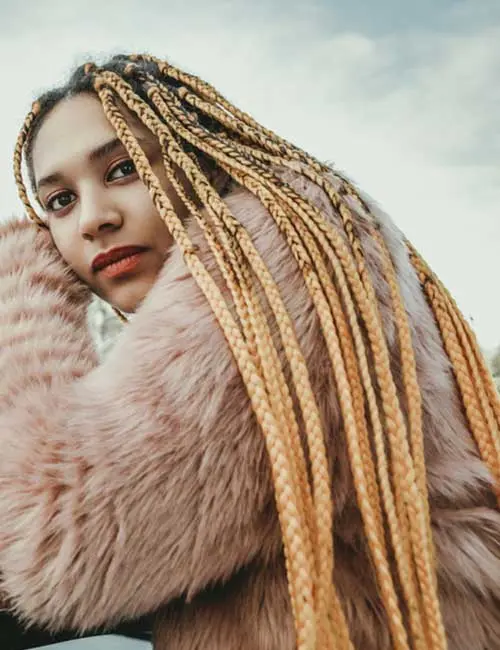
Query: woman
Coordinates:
[292,369]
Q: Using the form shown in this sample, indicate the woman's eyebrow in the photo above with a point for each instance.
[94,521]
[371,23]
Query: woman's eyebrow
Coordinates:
[104,149]
[96,154]
[112,145]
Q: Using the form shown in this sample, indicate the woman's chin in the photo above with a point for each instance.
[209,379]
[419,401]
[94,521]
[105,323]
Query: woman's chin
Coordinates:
[128,298]
[127,305]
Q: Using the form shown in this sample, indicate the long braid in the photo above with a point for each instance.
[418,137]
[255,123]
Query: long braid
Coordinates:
[227,224]
[18,162]
[410,377]
[487,380]
[321,489]
[480,405]
[335,364]
[486,376]
[386,451]
[366,458]
[324,524]
[425,570]
[422,553]
[258,338]
[344,395]
[255,329]
[295,546]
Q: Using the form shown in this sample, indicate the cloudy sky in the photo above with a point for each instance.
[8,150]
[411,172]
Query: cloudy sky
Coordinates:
[402,95]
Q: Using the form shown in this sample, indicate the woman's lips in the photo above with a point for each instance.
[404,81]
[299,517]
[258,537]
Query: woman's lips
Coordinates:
[122,266]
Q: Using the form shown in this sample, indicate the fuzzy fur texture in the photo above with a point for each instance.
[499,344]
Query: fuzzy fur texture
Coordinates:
[143,484]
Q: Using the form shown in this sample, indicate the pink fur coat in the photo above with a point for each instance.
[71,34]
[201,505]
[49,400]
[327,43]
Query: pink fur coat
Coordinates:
[143,485]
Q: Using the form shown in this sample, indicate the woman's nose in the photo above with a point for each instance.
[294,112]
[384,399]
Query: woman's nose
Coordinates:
[97,215]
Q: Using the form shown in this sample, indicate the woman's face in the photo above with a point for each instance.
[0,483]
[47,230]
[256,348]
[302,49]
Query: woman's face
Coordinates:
[100,214]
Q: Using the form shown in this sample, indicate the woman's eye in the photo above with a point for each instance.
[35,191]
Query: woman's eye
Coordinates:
[121,170]
[60,201]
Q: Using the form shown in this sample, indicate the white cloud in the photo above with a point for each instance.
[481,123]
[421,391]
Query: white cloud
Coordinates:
[411,116]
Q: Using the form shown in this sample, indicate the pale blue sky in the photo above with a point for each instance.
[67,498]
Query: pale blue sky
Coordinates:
[403,96]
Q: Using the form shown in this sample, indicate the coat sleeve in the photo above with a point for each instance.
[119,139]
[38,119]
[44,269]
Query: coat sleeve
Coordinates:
[126,484]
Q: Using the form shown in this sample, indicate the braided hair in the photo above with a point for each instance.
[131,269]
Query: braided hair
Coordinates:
[195,126]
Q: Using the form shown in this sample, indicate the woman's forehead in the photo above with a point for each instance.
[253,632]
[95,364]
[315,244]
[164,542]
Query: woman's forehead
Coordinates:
[74,128]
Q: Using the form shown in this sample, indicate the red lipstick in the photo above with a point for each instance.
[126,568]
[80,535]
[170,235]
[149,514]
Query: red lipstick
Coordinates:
[117,261]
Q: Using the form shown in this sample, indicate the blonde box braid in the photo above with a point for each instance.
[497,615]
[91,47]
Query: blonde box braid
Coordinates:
[391,485]
[319,456]
[424,568]
[476,385]
[247,126]
[296,546]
